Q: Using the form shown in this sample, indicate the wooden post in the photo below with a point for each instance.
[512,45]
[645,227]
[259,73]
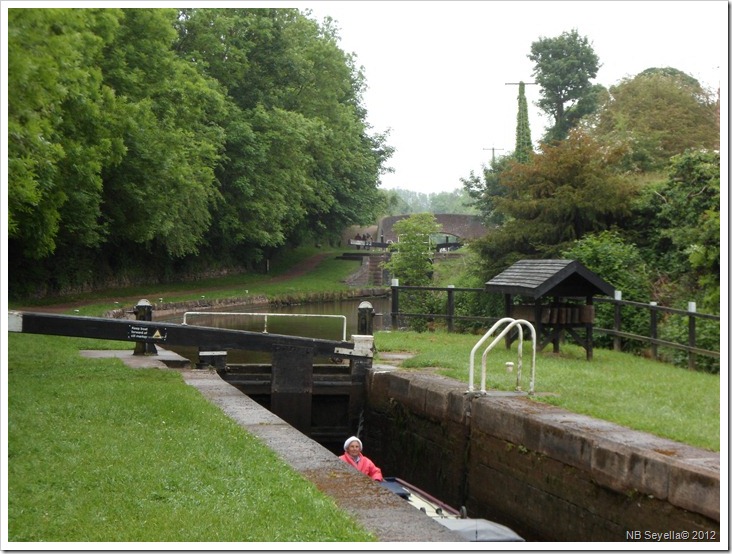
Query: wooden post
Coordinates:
[556,331]
[617,345]
[450,308]
[654,330]
[395,304]
[508,303]
[692,334]
[588,332]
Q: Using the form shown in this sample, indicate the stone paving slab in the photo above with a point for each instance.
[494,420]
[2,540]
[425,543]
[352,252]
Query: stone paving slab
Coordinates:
[164,359]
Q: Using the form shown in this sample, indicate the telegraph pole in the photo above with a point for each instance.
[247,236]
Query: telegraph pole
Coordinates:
[493,152]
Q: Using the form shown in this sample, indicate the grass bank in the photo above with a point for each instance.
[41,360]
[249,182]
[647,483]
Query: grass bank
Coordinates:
[99,452]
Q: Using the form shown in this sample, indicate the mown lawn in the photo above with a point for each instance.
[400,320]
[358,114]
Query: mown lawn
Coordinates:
[639,393]
[99,452]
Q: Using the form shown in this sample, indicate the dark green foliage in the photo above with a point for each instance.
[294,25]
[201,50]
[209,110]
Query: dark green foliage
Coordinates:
[568,191]
[485,191]
[622,265]
[616,261]
[675,328]
[683,237]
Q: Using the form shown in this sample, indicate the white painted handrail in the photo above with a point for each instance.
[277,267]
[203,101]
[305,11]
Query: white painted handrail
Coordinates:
[511,324]
[266,317]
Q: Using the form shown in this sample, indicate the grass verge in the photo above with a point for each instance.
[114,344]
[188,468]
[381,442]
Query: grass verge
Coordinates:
[638,393]
[327,277]
[99,452]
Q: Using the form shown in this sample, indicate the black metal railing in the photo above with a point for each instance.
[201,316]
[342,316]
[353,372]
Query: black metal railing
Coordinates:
[690,347]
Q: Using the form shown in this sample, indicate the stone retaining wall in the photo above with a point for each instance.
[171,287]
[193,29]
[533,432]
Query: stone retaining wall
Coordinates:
[547,473]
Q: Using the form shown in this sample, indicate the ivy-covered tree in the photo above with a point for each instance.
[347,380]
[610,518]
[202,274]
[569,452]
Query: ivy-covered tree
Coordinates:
[524,147]
[564,67]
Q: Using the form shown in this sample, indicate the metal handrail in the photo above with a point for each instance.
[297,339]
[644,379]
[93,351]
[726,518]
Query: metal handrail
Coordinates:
[266,317]
[511,324]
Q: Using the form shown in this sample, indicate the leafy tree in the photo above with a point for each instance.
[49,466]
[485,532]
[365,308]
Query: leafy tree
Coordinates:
[160,195]
[300,161]
[393,204]
[568,191]
[455,202]
[163,131]
[658,113]
[411,260]
[59,126]
[411,202]
[524,147]
[404,201]
[484,192]
[688,232]
[621,264]
[564,67]
[616,261]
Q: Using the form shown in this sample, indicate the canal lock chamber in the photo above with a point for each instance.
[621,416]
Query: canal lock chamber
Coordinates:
[546,473]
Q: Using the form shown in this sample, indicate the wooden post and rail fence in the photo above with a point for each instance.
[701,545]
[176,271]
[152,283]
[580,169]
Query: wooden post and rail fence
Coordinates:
[451,317]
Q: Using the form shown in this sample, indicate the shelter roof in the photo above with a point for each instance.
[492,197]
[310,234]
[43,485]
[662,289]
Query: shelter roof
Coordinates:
[538,278]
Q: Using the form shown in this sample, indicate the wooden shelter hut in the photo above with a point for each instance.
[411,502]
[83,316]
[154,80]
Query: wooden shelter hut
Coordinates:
[556,296]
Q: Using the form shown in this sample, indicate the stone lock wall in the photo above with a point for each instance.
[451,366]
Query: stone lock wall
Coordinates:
[549,474]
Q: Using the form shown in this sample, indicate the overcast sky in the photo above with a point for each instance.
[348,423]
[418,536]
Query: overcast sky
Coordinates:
[437,71]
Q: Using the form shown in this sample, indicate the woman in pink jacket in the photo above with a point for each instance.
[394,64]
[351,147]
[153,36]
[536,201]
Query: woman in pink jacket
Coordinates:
[353,456]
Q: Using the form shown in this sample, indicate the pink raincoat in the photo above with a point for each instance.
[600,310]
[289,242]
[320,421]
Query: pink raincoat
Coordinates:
[364,465]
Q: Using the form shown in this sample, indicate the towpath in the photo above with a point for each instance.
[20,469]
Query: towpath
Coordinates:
[297,270]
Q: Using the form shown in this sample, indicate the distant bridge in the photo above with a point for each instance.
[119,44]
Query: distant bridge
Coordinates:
[462,227]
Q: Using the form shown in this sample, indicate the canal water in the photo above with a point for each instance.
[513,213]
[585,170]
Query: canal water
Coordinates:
[334,320]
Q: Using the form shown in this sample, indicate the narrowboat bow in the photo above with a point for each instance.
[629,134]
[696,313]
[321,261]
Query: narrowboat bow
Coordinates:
[472,529]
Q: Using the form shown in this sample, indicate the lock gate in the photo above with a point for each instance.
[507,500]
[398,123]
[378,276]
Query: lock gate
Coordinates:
[322,400]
